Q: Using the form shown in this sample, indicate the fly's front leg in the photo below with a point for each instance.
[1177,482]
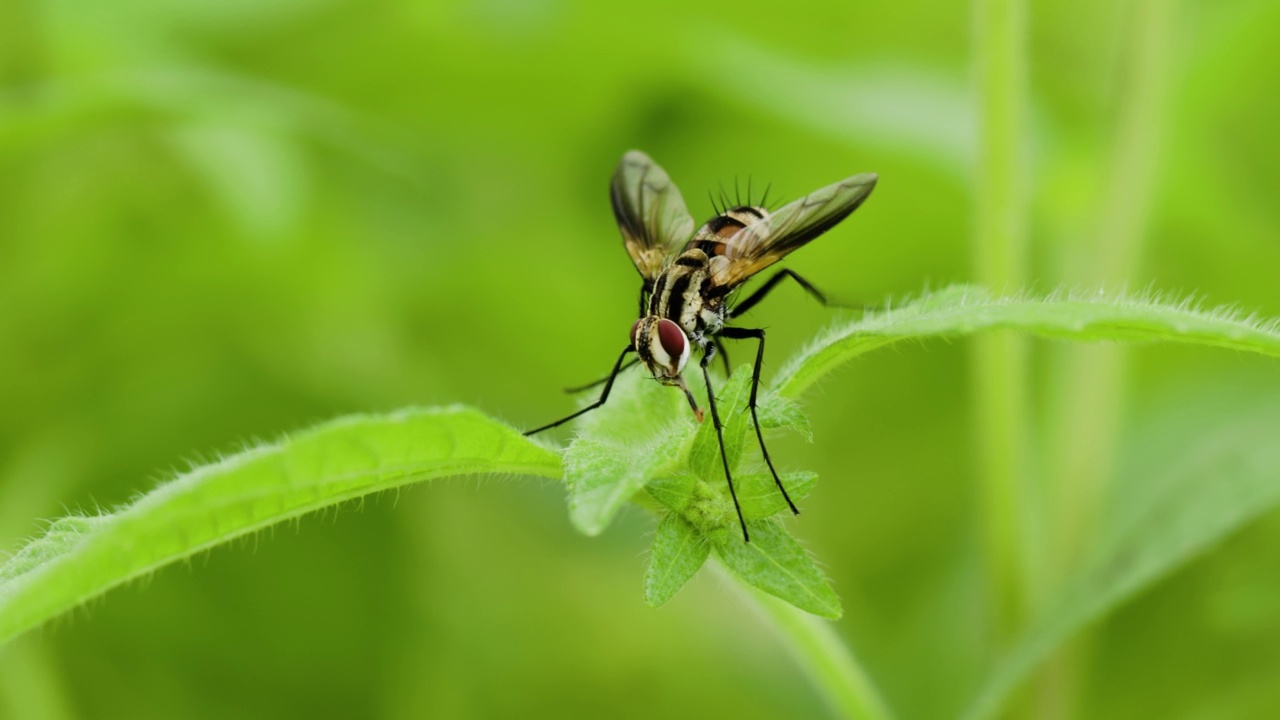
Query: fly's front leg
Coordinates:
[579,388]
[758,334]
[604,395]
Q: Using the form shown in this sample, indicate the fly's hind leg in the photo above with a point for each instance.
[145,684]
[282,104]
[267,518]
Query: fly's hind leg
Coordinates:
[758,334]
[709,354]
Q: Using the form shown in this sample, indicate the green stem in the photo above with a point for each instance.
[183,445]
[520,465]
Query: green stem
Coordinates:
[1000,259]
[829,664]
[1091,378]
[1089,381]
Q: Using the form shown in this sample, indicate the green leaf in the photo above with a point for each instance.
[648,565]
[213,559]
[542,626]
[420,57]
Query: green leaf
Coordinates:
[675,491]
[759,495]
[79,558]
[662,449]
[638,435]
[774,562]
[776,411]
[1227,479]
[602,477]
[962,310]
[678,551]
[731,402]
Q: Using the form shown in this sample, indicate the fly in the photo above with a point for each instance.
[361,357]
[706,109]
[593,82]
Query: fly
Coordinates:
[689,278]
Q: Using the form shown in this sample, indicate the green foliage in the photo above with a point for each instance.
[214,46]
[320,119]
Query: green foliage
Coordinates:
[645,446]
[678,552]
[774,562]
[80,557]
[219,221]
[1214,486]
[963,309]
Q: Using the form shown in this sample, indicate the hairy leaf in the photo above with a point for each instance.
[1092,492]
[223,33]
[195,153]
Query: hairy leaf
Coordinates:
[731,402]
[603,476]
[678,551]
[78,558]
[774,562]
[760,497]
[963,310]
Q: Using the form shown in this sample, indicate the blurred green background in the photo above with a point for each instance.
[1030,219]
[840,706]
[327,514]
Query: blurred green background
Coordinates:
[224,221]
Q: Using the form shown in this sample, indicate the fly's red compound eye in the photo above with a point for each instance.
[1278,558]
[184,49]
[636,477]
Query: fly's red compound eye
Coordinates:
[635,331]
[672,338]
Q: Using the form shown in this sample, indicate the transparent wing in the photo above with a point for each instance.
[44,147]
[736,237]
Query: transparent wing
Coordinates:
[766,241]
[650,212]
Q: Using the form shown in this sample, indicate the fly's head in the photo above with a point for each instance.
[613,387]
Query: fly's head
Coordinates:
[663,347]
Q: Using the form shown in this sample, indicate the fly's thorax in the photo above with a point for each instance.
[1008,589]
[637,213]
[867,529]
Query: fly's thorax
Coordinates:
[662,346]
[680,294]
[712,238]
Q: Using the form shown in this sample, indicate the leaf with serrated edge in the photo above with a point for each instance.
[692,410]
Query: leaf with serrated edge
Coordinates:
[774,562]
[678,551]
[760,498]
[776,411]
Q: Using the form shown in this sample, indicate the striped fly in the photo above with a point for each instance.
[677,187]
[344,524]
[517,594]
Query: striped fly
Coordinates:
[689,278]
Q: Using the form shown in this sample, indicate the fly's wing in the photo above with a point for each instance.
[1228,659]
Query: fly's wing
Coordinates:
[766,241]
[650,213]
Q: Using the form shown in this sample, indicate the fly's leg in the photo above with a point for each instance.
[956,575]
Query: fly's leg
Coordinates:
[724,458]
[758,334]
[755,297]
[577,389]
[724,356]
[608,385]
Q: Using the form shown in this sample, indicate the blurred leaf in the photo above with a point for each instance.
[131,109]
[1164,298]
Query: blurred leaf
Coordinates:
[678,551]
[915,110]
[774,562]
[1224,482]
[79,558]
[258,176]
[962,310]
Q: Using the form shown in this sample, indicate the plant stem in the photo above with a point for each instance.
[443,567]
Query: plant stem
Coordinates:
[1091,378]
[829,664]
[1089,382]
[1000,259]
